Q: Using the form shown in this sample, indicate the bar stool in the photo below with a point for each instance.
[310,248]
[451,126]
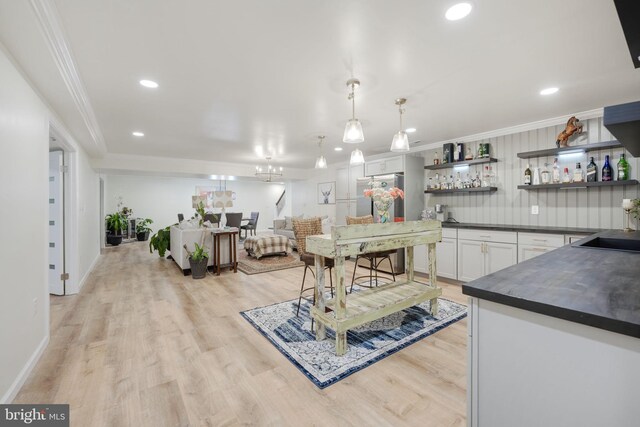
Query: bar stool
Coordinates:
[375,258]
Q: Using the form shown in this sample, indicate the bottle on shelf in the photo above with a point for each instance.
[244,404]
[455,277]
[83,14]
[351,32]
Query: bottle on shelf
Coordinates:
[566,176]
[623,168]
[458,184]
[486,177]
[592,171]
[450,182]
[436,158]
[493,178]
[555,173]
[607,171]
[469,155]
[545,175]
[577,173]
[536,176]
[527,175]
[476,181]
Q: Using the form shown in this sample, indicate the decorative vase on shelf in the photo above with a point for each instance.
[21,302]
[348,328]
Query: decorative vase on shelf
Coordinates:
[223,219]
[382,209]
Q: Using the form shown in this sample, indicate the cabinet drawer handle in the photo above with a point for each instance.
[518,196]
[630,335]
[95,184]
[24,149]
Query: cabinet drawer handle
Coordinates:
[539,240]
[538,249]
[485,236]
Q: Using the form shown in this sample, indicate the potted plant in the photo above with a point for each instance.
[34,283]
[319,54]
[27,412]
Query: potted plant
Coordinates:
[115,224]
[198,260]
[161,241]
[143,229]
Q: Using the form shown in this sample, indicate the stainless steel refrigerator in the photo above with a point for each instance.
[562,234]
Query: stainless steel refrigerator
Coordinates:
[364,206]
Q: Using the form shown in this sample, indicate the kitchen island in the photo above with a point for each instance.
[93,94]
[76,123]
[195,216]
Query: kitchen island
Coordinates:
[555,340]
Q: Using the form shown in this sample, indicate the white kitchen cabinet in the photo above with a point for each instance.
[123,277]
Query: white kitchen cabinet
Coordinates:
[344,208]
[530,245]
[384,166]
[470,260]
[482,252]
[346,182]
[446,254]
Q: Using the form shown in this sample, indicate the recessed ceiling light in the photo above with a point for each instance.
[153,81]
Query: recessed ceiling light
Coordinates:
[137,133]
[458,11]
[549,91]
[410,130]
[149,83]
[338,148]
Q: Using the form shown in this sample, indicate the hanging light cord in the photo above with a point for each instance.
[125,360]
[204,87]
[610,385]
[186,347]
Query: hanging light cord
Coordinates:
[352,97]
[401,111]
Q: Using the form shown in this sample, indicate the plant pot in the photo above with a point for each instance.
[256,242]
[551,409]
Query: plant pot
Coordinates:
[143,237]
[198,268]
[114,240]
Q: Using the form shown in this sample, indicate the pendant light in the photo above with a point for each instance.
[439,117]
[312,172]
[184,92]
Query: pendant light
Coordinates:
[321,162]
[400,143]
[353,130]
[357,158]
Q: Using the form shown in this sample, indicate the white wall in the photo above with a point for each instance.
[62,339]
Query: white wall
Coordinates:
[162,198]
[305,194]
[24,306]
[88,218]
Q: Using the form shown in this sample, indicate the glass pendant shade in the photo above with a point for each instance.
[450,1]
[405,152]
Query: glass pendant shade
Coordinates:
[353,132]
[400,143]
[321,163]
[357,158]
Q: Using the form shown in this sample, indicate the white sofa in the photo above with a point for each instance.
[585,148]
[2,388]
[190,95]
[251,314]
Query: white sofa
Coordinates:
[189,236]
[284,227]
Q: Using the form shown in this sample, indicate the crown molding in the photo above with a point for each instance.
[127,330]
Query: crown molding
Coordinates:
[56,42]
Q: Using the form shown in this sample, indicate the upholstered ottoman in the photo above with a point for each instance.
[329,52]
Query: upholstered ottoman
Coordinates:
[259,246]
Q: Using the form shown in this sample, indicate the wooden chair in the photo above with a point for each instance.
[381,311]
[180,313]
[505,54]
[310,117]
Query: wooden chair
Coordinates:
[251,226]
[301,229]
[374,258]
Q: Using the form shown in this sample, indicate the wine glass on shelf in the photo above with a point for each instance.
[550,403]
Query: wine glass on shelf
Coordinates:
[627,206]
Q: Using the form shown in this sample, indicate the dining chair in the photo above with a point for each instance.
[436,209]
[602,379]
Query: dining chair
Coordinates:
[302,228]
[234,219]
[374,258]
[251,226]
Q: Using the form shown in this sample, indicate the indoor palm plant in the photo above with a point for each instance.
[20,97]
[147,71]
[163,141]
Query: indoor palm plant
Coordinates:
[198,260]
[143,229]
[115,224]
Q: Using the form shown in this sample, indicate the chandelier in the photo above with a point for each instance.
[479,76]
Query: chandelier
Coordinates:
[269,173]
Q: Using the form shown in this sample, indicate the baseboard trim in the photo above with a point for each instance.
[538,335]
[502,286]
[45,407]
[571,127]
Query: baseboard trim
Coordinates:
[25,372]
[86,275]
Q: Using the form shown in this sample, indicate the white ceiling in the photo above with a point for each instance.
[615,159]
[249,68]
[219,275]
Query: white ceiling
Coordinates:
[239,79]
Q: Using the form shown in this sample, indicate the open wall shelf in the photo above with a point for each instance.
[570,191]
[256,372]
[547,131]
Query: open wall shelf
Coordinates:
[463,190]
[461,163]
[564,150]
[575,185]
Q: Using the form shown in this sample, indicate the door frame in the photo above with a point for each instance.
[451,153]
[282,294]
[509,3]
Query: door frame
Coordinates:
[70,208]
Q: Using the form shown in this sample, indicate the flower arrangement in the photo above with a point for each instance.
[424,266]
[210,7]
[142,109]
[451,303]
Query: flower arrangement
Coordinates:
[382,198]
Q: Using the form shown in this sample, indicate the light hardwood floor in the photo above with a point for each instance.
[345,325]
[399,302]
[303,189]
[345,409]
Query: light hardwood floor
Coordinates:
[142,345]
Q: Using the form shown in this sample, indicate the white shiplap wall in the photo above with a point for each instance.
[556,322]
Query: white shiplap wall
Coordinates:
[588,208]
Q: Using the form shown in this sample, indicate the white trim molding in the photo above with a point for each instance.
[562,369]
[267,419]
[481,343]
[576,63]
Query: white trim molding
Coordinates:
[17,384]
[53,33]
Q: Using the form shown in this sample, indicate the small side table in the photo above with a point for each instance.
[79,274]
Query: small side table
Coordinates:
[233,258]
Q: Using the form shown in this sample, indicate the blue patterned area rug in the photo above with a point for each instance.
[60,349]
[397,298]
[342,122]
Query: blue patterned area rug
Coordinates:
[367,344]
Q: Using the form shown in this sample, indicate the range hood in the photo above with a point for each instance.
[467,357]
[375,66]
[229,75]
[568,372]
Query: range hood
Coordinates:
[623,121]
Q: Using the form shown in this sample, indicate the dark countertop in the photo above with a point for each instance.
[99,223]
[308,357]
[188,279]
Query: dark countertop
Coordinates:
[595,287]
[522,228]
